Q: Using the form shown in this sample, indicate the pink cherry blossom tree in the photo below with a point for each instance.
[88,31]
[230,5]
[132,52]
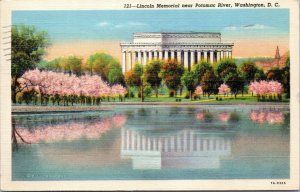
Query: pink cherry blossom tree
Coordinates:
[88,89]
[118,90]
[264,89]
[224,89]
[198,90]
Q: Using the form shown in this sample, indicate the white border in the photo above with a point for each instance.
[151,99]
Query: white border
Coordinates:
[254,184]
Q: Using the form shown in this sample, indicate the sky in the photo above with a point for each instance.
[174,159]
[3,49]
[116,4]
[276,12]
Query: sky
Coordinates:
[255,32]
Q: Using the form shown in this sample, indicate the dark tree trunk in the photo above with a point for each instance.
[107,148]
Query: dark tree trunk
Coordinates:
[13,90]
[14,96]
[142,93]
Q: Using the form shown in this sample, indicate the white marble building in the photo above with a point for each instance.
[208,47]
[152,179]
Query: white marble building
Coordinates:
[186,47]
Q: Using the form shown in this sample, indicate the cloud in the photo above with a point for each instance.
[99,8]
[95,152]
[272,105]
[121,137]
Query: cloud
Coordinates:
[246,27]
[103,24]
[255,26]
[129,24]
[120,25]
[136,23]
[230,28]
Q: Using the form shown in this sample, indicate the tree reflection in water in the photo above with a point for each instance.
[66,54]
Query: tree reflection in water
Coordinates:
[267,116]
[223,116]
[49,133]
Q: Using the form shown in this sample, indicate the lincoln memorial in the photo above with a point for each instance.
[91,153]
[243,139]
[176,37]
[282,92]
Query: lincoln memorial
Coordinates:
[185,47]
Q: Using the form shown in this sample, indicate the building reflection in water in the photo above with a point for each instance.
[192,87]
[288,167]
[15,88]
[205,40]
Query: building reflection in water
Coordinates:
[186,150]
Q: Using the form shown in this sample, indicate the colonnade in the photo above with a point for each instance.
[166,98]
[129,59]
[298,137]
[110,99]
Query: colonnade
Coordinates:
[186,57]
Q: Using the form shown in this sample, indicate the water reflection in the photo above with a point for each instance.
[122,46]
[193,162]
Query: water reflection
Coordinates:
[187,149]
[49,133]
[267,116]
[223,116]
[153,143]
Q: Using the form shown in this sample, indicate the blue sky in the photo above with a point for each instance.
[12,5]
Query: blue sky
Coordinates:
[119,25]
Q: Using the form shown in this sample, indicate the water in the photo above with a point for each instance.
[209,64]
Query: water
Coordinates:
[146,143]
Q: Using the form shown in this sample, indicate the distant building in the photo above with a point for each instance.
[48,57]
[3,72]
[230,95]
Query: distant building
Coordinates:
[185,47]
[278,61]
[277,56]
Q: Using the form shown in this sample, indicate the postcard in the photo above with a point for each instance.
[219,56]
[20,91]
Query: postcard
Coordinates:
[149,95]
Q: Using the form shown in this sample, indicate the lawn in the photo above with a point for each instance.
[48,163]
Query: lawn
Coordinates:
[224,99]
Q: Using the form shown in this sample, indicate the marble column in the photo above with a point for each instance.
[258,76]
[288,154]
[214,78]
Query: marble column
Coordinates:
[124,61]
[129,60]
[166,55]
[150,55]
[192,58]
[140,57]
[230,54]
[179,56]
[205,56]
[172,55]
[155,55]
[211,57]
[198,56]
[160,55]
[218,56]
[145,58]
[222,54]
[186,59]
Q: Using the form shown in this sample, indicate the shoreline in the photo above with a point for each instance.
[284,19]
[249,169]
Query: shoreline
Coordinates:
[17,109]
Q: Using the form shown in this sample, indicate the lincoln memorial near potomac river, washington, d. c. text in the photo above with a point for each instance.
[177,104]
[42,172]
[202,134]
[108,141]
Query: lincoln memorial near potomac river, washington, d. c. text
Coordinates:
[185,47]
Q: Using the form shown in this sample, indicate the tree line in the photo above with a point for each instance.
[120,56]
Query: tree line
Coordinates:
[212,78]
[28,48]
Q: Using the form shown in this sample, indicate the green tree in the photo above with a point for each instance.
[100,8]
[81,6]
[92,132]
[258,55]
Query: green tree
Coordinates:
[152,70]
[171,73]
[210,83]
[101,64]
[281,75]
[134,77]
[53,65]
[259,75]
[275,74]
[235,81]
[190,81]
[115,76]
[286,77]
[225,67]
[27,48]
[71,65]
[200,69]
[249,69]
